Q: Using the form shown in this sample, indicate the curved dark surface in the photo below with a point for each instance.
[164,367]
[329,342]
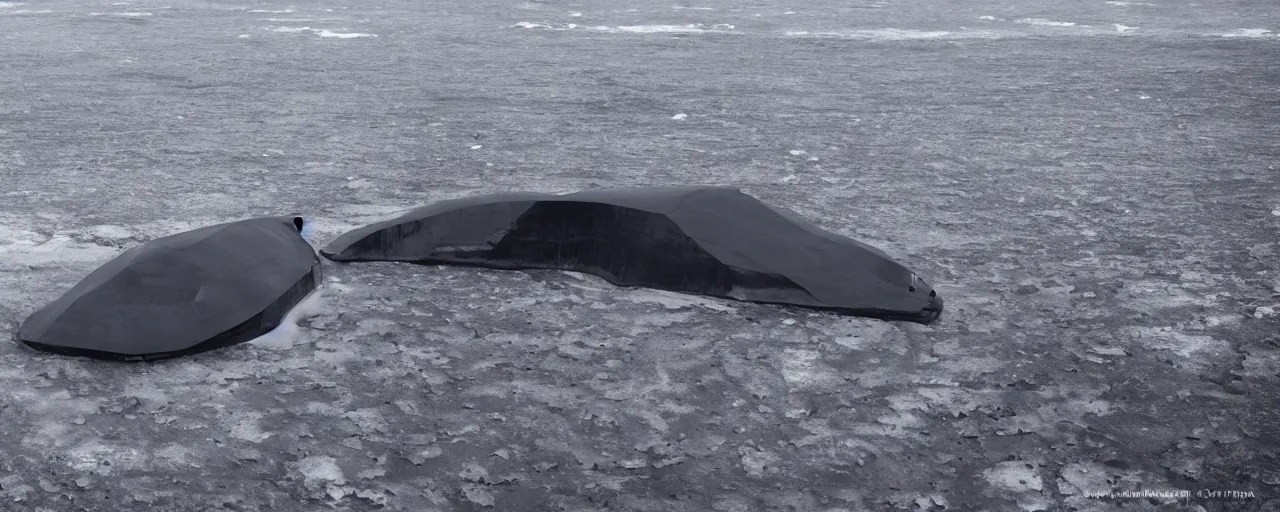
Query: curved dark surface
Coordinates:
[182,294]
[715,241]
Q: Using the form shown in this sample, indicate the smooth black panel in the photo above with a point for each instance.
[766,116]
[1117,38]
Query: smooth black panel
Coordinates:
[182,294]
[714,241]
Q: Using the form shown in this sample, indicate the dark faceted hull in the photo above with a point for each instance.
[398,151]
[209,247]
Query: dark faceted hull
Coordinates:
[183,294]
[707,241]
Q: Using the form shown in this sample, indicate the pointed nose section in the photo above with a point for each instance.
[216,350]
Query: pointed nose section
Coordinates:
[934,310]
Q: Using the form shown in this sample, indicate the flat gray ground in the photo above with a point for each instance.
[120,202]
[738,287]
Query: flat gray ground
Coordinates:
[1094,185]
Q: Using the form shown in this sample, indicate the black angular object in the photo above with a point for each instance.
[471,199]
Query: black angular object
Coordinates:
[182,294]
[715,241]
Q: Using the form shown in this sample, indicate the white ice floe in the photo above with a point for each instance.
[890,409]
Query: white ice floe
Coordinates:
[1123,28]
[1015,476]
[1046,23]
[797,152]
[322,32]
[21,249]
[1251,32]
[1276,211]
[894,34]
[286,334]
[695,28]
[321,470]
[342,35]
[477,146]
[673,29]
[988,18]
[671,300]
[680,117]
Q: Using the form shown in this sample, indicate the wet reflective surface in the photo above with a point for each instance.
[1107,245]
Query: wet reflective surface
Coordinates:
[715,241]
[182,294]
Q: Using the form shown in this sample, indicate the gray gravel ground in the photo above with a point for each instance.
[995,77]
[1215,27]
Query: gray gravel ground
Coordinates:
[1098,202]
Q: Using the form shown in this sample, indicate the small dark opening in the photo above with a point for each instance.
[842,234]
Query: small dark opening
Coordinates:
[933,293]
[297,223]
[911,288]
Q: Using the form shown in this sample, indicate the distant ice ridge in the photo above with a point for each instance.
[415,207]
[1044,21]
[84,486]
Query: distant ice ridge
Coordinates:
[1251,32]
[322,32]
[1046,23]
[695,28]
[678,29]
[894,34]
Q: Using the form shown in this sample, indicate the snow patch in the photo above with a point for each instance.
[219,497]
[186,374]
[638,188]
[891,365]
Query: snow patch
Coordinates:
[342,35]
[110,232]
[322,32]
[674,300]
[680,117]
[1123,28]
[283,337]
[804,368]
[697,28]
[1251,33]
[693,28]
[248,429]
[1045,23]
[20,249]
[1189,346]
[1014,476]
[894,34]
[319,469]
